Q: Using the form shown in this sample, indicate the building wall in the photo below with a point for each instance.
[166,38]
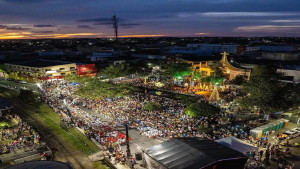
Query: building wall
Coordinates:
[281,56]
[252,48]
[33,74]
[293,73]
[204,49]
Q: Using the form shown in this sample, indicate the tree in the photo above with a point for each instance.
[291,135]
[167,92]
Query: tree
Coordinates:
[238,80]
[3,69]
[265,91]
[150,106]
[178,70]
[216,76]
[95,89]
[75,78]
[216,70]
[28,96]
[201,109]
[125,69]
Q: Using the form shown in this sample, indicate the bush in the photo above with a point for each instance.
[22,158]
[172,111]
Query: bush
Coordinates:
[151,106]
[28,96]
[201,109]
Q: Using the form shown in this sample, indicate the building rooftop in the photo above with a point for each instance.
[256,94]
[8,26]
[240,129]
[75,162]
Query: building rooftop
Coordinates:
[41,165]
[40,63]
[192,153]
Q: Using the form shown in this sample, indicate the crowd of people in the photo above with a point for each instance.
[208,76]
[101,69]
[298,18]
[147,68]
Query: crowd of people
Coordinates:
[19,136]
[268,151]
[99,119]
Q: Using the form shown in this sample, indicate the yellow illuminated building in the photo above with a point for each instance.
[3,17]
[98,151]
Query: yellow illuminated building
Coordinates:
[230,71]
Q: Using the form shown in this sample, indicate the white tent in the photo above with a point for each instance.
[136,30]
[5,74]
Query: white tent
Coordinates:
[237,144]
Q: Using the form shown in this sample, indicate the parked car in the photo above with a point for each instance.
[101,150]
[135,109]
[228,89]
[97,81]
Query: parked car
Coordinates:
[297,128]
[10,79]
[292,133]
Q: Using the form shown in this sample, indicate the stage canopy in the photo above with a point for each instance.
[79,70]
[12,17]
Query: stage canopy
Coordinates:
[237,144]
[192,153]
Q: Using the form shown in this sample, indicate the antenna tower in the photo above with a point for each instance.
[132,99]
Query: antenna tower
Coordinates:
[115,26]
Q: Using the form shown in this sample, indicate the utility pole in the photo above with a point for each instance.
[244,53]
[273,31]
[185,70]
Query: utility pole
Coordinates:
[127,141]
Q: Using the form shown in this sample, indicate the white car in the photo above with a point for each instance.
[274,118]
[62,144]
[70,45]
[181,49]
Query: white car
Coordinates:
[297,128]
[292,133]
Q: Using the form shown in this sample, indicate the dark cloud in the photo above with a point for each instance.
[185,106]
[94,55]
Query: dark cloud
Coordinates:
[84,27]
[153,17]
[17,28]
[101,19]
[24,1]
[43,32]
[125,23]
[128,25]
[44,26]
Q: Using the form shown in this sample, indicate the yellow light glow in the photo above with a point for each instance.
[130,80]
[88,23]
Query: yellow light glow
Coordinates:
[139,36]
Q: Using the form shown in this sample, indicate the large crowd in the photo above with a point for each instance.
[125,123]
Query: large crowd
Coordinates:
[19,136]
[99,119]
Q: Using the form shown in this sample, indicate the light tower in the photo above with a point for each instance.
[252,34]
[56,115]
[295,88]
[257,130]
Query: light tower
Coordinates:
[115,26]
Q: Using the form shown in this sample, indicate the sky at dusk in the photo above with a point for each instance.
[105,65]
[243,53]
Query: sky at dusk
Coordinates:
[22,19]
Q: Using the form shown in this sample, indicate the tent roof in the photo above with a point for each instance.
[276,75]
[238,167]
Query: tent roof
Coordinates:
[190,153]
[237,144]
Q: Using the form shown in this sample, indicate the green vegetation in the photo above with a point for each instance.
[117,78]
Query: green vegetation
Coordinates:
[51,121]
[97,89]
[124,70]
[28,96]
[99,165]
[150,106]
[217,75]
[201,109]
[185,98]
[178,70]
[238,80]
[2,68]
[93,88]
[265,91]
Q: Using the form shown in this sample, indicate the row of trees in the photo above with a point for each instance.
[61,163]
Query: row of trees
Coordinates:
[125,69]
[265,91]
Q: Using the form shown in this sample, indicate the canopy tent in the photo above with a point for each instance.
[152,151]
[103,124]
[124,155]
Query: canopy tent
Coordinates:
[237,144]
[193,153]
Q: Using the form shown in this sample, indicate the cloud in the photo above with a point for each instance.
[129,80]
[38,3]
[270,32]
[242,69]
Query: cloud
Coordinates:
[125,23]
[16,35]
[43,32]
[139,36]
[68,35]
[101,19]
[17,28]
[247,14]
[128,25]
[44,26]
[24,1]
[84,27]
[267,28]
[236,14]
[286,21]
